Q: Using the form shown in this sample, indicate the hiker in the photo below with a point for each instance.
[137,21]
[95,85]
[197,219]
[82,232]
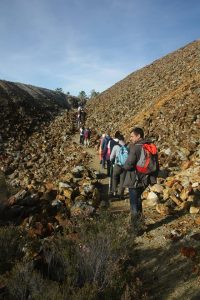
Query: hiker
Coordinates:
[138,177]
[118,158]
[100,151]
[82,129]
[79,115]
[78,120]
[107,146]
[87,133]
[82,116]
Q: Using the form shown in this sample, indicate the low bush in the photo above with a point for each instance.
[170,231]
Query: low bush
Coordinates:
[11,245]
[94,261]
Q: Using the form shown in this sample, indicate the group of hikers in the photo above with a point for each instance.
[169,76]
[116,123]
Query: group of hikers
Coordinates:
[133,165]
[85,134]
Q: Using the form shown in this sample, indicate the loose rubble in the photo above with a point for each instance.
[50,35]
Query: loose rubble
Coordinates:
[47,177]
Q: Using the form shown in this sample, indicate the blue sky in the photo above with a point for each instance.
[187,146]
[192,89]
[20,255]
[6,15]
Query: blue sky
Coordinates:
[89,44]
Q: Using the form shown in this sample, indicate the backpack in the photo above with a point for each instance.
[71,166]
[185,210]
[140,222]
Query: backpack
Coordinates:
[148,161]
[122,156]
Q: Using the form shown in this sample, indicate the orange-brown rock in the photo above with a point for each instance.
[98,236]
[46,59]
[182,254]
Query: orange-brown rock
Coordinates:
[163,209]
[197,220]
[186,164]
[175,199]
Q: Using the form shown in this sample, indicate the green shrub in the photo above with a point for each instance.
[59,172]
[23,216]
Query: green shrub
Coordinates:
[26,283]
[11,244]
[92,264]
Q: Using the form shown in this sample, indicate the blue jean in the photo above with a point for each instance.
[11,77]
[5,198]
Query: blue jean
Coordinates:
[135,200]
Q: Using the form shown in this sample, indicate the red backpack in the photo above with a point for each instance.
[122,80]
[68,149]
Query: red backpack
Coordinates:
[148,161]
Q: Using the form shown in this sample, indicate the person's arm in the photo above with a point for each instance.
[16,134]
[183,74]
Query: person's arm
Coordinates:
[131,160]
[113,153]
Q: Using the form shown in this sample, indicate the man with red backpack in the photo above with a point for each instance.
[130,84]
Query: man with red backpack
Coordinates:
[142,169]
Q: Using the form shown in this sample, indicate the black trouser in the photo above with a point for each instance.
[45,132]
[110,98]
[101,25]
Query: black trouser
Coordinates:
[135,201]
[81,139]
[108,167]
[118,178]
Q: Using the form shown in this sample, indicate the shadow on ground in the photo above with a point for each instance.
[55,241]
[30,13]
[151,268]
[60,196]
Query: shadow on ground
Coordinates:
[167,272]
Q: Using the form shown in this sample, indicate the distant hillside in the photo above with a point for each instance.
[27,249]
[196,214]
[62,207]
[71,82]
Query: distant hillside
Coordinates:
[163,97]
[24,107]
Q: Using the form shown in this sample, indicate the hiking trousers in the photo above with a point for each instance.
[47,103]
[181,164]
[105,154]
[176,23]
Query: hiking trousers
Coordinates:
[135,201]
[108,162]
[86,142]
[118,178]
[81,139]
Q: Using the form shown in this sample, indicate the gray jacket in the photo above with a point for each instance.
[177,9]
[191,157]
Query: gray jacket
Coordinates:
[132,178]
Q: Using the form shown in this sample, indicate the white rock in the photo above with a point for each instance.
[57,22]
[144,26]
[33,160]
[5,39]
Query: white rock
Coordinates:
[194,210]
[167,151]
[63,185]
[195,184]
[152,196]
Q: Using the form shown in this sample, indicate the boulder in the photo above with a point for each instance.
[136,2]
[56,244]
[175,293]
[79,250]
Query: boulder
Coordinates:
[152,196]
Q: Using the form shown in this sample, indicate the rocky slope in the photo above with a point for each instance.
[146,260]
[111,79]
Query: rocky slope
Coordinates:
[24,107]
[164,99]
[42,172]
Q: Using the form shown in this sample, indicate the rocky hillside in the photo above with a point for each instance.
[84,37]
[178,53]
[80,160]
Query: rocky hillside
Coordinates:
[39,163]
[163,97]
[24,107]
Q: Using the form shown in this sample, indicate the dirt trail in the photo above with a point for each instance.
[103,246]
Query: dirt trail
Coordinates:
[167,272]
[115,206]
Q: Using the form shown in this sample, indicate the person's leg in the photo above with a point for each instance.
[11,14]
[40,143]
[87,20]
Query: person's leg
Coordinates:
[115,178]
[108,167]
[139,202]
[133,201]
[121,182]
[136,209]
